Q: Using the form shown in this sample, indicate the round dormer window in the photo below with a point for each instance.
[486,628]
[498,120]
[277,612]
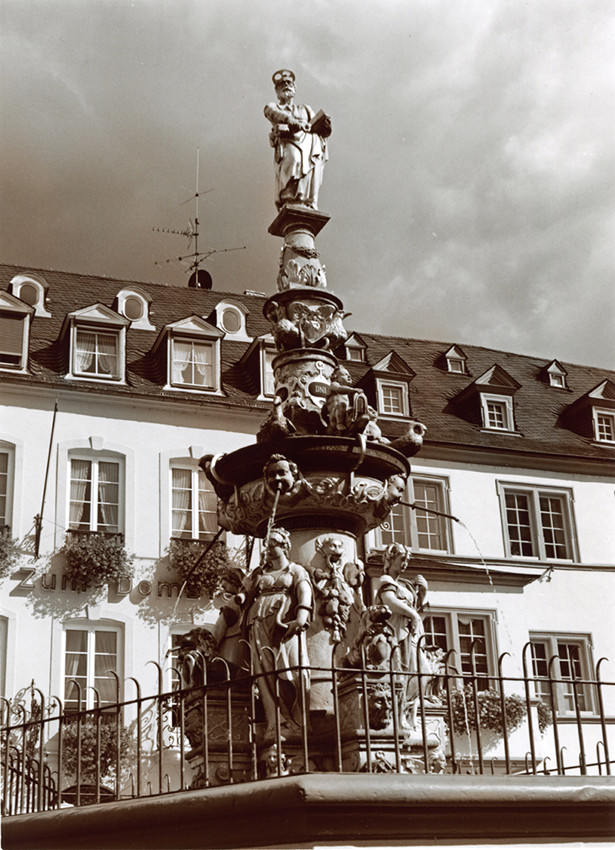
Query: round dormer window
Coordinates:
[29,293]
[231,321]
[133,308]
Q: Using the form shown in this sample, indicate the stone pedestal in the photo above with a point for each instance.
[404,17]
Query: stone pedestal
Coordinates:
[372,736]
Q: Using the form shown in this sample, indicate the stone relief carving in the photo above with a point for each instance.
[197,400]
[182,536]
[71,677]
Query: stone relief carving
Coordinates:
[303,323]
[294,273]
[334,592]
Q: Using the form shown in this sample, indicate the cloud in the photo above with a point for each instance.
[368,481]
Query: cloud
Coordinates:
[469,174]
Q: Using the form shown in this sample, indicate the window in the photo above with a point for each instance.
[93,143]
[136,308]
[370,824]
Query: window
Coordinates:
[96,354]
[497,412]
[193,363]
[557,380]
[458,630]
[32,290]
[14,332]
[231,319]
[393,398]
[6,487]
[91,656]
[604,425]
[538,523]
[420,527]
[134,304]
[194,505]
[268,382]
[94,501]
[571,660]
[456,365]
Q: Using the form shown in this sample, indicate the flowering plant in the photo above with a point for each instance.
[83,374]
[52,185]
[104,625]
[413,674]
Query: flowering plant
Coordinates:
[489,711]
[200,571]
[9,554]
[94,559]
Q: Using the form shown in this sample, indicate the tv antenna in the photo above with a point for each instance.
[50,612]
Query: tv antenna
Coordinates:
[198,277]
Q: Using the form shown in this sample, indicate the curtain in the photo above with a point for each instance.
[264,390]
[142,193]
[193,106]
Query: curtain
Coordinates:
[80,479]
[182,352]
[85,347]
[75,666]
[105,659]
[181,498]
[107,354]
[208,506]
[202,355]
[108,496]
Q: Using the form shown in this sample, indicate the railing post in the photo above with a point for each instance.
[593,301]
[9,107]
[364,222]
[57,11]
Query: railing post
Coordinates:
[602,718]
[479,743]
[556,744]
[503,709]
[528,704]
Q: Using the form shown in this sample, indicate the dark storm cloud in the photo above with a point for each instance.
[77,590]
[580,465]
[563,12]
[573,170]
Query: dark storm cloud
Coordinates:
[470,173]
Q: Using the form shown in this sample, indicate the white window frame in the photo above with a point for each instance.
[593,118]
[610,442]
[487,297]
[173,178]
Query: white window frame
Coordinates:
[119,332]
[564,698]
[95,459]
[452,617]
[4,653]
[404,519]
[382,384]
[91,627]
[558,380]
[355,353]
[453,362]
[21,312]
[537,539]
[201,389]
[196,475]
[8,450]
[266,355]
[41,287]
[598,412]
[506,405]
[241,334]
[143,322]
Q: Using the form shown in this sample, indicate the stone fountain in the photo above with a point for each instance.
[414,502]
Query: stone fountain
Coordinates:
[318,478]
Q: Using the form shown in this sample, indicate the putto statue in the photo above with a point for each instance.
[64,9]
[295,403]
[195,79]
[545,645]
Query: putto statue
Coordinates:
[298,138]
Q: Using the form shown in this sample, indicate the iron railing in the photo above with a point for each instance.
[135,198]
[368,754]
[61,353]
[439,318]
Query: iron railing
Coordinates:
[210,733]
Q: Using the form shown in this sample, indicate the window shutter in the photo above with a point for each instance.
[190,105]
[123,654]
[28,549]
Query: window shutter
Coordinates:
[11,334]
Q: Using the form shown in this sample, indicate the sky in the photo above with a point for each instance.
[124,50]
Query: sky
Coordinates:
[470,180]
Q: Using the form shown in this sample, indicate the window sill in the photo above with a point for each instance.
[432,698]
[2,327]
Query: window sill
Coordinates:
[95,379]
[504,431]
[193,390]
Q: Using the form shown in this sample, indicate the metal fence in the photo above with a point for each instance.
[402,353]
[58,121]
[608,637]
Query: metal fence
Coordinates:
[210,733]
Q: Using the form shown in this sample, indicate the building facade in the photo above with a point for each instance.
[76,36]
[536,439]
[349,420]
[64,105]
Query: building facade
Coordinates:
[113,390]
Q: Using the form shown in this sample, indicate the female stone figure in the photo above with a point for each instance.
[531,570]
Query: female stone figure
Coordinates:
[278,607]
[404,599]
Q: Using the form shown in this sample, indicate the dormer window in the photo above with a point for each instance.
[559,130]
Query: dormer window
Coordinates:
[354,348]
[392,377]
[557,375]
[593,414]
[15,317]
[231,318]
[97,344]
[32,290]
[456,361]
[134,305]
[193,355]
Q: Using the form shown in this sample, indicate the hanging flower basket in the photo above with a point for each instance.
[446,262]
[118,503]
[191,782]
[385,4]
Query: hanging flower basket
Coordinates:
[201,572]
[94,559]
[489,711]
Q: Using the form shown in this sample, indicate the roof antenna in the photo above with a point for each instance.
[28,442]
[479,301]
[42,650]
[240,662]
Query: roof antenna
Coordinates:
[199,278]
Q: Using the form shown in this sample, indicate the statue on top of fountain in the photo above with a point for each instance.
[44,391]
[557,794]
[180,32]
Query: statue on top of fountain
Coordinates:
[298,137]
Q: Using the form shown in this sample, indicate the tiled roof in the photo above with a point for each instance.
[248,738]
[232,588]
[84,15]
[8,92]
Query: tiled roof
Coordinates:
[539,408]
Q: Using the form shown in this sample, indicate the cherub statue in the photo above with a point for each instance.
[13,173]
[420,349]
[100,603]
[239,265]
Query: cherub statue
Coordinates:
[346,407]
